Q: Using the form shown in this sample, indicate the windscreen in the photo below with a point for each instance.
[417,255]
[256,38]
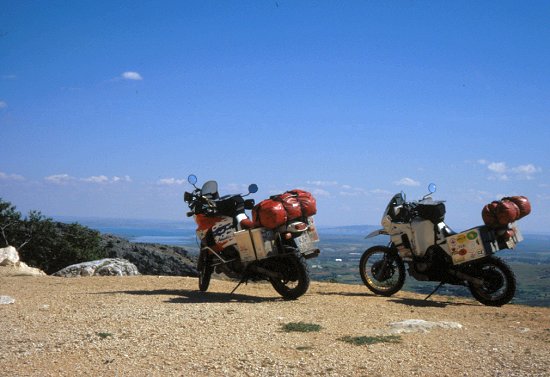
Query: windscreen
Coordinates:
[397,200]
[210,188]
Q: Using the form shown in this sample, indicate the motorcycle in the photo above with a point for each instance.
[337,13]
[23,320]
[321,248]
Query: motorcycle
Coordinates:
[232,244]
[421,240]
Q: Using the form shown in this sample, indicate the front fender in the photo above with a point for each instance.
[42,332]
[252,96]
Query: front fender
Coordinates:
[376,233]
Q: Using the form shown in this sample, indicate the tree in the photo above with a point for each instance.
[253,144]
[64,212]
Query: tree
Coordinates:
[9,219]
[46,244]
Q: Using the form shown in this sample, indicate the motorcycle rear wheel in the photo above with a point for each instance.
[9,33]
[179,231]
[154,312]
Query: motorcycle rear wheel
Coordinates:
[382,282]
[295,280]
[205,270]
[499,282]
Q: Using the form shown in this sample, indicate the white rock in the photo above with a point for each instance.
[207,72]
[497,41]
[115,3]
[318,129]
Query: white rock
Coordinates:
[9,256]
[5,300]
[25,270]
[102,267]
[419,325]
[11,265]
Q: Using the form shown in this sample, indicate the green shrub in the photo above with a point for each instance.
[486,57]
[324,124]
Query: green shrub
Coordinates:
[301,327]
[363,340]
[46,244]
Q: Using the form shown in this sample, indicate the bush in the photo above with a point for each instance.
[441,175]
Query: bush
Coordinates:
[301,327]
[46,244]
[363,340]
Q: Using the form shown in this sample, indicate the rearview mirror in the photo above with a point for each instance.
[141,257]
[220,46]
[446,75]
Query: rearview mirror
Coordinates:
[253,188]
[192,179]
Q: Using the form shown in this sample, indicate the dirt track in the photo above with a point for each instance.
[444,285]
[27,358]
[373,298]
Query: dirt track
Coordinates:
[158,326]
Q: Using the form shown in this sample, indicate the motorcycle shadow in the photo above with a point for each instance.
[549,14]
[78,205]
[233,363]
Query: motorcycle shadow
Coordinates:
[196,297]
[348,294]
[431,303]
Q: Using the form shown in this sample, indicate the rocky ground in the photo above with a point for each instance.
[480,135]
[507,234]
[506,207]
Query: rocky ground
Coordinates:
[162,326]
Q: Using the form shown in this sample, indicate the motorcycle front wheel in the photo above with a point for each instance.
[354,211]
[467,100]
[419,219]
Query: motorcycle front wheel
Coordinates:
[294,281]
[205,270]
[499,282]
[382,270]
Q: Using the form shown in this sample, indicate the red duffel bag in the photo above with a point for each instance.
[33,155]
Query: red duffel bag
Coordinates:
[507,212]
[269,213]
[523,204]
[307,202]
[290,203]
[489,215]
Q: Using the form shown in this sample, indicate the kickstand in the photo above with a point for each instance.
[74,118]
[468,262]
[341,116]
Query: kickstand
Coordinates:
[435,290]
[243,280]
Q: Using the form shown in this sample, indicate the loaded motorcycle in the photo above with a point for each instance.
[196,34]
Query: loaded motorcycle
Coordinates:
[272,246]
[420,239]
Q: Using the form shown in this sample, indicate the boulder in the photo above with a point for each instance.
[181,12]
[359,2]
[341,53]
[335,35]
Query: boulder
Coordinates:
[10,264]
[102,267]
[9,256]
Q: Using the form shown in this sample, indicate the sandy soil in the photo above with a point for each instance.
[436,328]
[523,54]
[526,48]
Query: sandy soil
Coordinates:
[162,326]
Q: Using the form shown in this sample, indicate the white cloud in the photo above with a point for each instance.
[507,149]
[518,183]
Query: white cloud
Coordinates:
[3,104]
[320,192]
[126,178]
[348,190]
[407,182]
[59,178]
[497,167]
[9,77]
[499,177]
[104,179]
[129,75]
[171,181]
[96,179]
[322,183]
[500,170]
[11,177]
[526,171]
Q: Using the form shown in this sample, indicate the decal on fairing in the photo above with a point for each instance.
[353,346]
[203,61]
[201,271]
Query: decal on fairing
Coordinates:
[223,232]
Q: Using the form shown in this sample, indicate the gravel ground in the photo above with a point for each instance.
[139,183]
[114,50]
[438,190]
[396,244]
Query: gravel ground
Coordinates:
[162,326]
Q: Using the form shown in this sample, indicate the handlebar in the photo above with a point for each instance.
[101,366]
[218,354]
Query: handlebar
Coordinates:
[229,205]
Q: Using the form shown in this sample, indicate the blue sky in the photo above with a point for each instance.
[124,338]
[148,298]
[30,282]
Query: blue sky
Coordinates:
[107,106]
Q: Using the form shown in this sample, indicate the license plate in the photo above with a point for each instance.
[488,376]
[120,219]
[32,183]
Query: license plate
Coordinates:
[305,243]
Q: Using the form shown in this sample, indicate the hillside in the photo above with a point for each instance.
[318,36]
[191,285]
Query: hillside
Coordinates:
[151,259]
[153,326]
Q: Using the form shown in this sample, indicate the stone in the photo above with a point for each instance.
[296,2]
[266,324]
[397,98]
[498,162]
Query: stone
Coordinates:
[420,325]
[102,267]
[9,256]
[6,300]
[11,265]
